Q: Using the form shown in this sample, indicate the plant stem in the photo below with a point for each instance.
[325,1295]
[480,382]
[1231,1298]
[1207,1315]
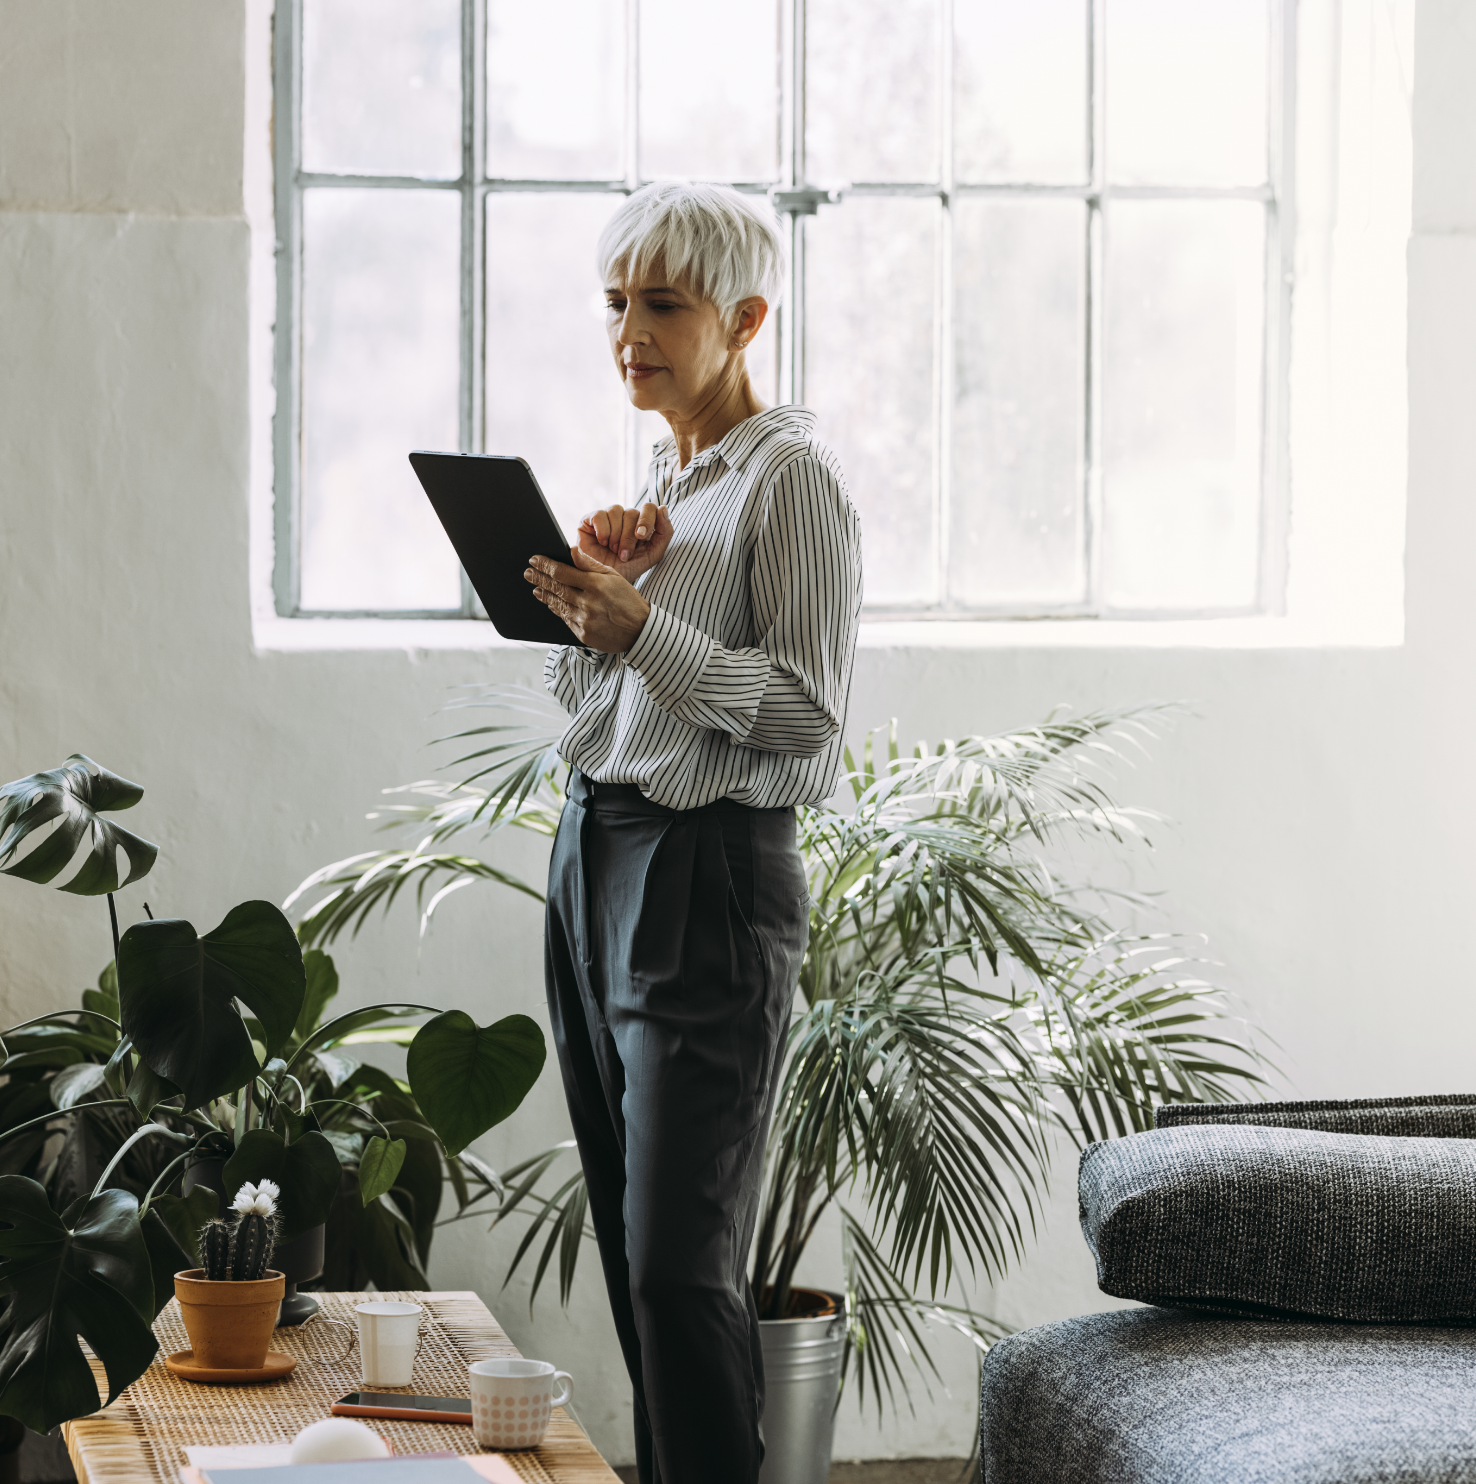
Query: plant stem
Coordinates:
[168,1169]
[113,916]
[127,1144]
[62,1113]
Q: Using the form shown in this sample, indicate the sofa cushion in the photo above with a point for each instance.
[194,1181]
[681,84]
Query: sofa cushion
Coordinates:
[1444,1116]
[1253,1220]
[1158,1396]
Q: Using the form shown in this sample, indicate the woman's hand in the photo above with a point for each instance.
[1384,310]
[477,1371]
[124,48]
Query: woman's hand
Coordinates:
[603,609]
[629,541]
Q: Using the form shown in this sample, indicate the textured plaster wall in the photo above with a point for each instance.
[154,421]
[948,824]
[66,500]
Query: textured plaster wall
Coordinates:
[1320,800]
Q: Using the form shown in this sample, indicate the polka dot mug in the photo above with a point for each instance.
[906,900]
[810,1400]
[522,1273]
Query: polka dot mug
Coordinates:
[512,1399]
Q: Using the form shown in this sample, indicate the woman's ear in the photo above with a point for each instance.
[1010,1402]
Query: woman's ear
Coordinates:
[748,318]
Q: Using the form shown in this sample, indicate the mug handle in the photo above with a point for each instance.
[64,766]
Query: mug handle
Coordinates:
[568,1391]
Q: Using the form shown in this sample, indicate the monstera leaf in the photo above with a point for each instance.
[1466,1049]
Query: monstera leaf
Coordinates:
[85,1273]
[177,994]
[467,1078]
[74,794]
[306,1171]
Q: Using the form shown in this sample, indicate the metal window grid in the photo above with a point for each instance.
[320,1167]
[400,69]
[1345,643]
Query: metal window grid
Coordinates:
[473,187]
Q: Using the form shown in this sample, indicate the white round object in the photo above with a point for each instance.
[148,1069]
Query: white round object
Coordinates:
[337,1440]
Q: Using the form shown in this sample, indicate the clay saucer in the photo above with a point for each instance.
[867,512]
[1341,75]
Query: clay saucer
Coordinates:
[182,1364]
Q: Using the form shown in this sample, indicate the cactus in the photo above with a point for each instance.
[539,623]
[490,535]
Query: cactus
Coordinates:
[251,1251]
[215,1249]
[239,1249]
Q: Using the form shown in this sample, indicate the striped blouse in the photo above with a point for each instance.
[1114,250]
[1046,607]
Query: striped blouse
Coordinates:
[738,684]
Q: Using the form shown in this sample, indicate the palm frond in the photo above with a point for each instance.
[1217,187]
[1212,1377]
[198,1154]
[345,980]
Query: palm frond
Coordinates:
[374,879]
[887,1327]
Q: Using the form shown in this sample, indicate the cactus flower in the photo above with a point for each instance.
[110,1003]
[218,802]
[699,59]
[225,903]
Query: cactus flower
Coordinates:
[257,1200]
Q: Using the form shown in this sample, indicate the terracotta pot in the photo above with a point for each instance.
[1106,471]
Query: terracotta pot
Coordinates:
[229,1323]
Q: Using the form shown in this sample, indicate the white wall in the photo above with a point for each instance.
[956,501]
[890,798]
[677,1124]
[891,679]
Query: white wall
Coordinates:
[1322,798]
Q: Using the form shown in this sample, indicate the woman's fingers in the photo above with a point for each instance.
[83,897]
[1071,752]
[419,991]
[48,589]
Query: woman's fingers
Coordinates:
[646,528]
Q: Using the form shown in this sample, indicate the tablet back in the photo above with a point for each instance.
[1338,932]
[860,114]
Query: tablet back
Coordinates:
[497,518]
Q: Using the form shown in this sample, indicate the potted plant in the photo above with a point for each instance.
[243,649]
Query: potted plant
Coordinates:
[963,1000]
[229,1303]
[211,1053]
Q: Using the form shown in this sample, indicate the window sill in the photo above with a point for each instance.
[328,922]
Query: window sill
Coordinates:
[308,635]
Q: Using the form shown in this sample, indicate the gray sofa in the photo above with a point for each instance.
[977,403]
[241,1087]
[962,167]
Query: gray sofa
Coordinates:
[1311,1275]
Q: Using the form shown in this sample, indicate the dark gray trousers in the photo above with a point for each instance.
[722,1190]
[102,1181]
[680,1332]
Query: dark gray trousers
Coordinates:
[673,944]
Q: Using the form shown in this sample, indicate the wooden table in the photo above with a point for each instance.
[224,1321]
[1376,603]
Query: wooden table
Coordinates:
[141,1438]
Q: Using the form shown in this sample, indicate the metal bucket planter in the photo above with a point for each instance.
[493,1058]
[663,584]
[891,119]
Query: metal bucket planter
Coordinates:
[802,1369]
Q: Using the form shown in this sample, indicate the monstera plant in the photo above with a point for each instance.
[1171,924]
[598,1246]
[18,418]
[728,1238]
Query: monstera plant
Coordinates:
[196,1047]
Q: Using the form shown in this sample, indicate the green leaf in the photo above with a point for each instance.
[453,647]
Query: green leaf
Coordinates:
[468,1078]
[104,999]
[184,1216]
[347,1024]
[74,795]
[178,993]
[417,1188]
[379,1165]
[166,1257]
[307,1172]
[147,1089]
[322,986]
[87,1274]
[388,1099]
[76,1084]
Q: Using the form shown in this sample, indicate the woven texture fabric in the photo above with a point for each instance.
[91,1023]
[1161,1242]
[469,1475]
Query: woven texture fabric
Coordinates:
[1251,1220]
[1153,1396]
[1447,1116]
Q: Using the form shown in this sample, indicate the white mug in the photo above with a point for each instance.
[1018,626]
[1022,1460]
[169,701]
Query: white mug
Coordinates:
[389,1338]
[512,1399]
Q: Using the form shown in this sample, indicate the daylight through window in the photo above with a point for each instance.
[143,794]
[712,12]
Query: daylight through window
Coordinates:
[1043,323]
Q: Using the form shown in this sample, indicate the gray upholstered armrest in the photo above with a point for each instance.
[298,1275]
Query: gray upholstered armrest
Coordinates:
[1285,1221]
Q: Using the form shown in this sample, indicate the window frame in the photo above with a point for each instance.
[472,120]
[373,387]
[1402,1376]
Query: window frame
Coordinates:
[802,200]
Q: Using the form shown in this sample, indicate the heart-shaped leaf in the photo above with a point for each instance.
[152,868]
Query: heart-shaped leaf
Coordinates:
[306,1171]
[468,1078]
[83,1274]
[73,794]
[184,1216]
[177,993]
[322,986]
[379,1165]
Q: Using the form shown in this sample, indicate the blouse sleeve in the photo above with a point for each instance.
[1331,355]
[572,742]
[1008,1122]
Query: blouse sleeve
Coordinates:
[787,693]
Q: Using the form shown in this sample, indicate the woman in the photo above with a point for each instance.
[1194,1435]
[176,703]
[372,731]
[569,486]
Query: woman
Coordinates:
[707,697]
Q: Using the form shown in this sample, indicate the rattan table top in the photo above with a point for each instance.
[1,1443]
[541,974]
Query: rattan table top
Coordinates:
[141,1438]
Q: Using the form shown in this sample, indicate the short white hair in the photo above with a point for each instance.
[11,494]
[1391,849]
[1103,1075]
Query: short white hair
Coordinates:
[721,243]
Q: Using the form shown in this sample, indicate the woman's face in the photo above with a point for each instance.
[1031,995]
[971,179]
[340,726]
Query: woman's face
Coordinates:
[674,350]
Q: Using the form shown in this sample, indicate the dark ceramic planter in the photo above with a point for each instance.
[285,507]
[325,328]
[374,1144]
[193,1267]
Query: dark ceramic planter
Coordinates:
[298,1261]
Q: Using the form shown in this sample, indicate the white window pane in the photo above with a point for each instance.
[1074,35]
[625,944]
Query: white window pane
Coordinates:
[381,314]
[1022,85]
[1186,91]
[1017,498]
[1183,355]
[553,394]
[870,270]
[555,103]
[381,87]
[710,89]
[871,107]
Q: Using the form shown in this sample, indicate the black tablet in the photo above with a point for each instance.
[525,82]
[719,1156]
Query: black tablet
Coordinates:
[497,518]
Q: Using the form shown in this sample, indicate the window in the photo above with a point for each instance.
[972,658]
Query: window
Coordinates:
[1040,261]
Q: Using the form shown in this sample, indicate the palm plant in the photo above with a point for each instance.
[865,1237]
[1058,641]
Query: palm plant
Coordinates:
[962,1005]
